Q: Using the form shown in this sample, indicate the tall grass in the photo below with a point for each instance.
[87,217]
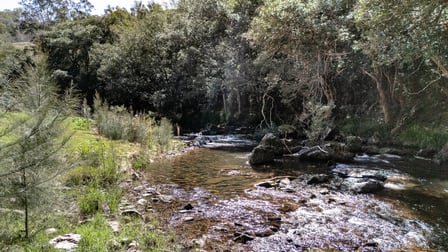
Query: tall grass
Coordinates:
[363,126]
[422,137]
[117,123]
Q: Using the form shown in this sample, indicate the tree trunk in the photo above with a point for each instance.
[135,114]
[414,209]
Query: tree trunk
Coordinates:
[25,203]
[224,104]
[385,86]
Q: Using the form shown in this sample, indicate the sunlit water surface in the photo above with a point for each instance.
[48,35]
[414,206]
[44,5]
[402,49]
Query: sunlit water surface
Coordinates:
[418,185]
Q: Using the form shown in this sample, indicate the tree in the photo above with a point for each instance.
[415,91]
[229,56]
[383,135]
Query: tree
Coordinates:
[406,42]
[69,45]
[41,13]
[31,139]
[303,46]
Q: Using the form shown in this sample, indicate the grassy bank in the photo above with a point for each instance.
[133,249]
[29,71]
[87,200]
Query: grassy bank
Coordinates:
[87,196]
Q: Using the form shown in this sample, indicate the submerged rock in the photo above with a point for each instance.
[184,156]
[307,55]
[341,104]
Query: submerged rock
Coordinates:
[340,221]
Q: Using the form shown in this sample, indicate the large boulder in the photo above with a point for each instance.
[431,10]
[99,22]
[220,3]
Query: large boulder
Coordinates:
[360,179]
[442,156]
[261,155]
[354,144]
[271,141]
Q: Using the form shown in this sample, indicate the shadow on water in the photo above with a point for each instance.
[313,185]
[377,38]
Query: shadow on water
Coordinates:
[424,190]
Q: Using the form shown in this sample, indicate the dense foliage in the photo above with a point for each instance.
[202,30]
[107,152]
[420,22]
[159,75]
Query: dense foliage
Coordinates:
[306,64]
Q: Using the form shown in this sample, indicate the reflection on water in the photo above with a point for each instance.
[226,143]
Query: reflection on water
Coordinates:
[420,185]
[224,173]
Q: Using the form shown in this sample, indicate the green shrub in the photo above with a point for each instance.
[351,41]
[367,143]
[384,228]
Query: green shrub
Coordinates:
[80,123]
[163,133]
[91,200]
[81,175]
[92,152]
[140,162]
[362,126]
[95,235]
[100,166]
[117,123]
[113,199]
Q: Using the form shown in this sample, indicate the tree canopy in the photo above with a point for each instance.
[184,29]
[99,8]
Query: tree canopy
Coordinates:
[262,63]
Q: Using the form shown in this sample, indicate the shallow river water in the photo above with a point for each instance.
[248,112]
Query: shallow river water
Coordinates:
[415,186]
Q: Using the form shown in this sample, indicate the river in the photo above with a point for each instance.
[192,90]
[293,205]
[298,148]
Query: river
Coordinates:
[416,188]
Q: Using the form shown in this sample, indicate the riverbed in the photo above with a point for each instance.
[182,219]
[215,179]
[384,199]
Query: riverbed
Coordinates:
[212,202]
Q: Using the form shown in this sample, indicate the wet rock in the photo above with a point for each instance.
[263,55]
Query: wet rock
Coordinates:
[220,229]
[426,153]
[163,198]
[265,232]
[266,184]
[275,222]
[284,182]
[136,175]
[188,207]
[318,179]
[188,219]
[370,149]
[351,171]
[328,152]
[442,156]
[354,144]
[261,155]
[243,237]
[68,242]
[273,142]
[363,185]
[198,243]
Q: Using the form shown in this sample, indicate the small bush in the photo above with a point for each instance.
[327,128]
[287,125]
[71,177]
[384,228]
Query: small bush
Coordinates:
[113,199]
[163,133]
[321,120]
[140,162]
[80,123]
[81,175]
[117,123]
[91,200]
[92,152]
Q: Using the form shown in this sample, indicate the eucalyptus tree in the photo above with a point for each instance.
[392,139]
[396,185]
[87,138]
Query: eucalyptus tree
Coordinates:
[407,44]
[42,13]
[131,70]
[68,46]
[303,45]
